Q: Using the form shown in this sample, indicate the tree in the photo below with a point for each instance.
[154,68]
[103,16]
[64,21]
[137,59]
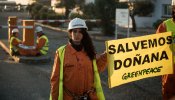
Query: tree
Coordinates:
[141,8]
[35,10]
[43,12]
[69,4]
[89,11]
[29,9]
[105,10]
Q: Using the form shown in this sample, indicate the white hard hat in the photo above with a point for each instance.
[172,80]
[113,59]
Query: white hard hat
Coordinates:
[173,2]
[15,30]
[77,23]
[38,29]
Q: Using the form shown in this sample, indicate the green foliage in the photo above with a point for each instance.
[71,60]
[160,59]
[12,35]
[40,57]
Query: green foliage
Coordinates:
[141,8]
[51,16]
[43,16]
[29,7]
[74,15]
[105,10]
[68,4]
[144,8]
[34,10]
[44,9]
[43,12]
[89,11]
[38,11]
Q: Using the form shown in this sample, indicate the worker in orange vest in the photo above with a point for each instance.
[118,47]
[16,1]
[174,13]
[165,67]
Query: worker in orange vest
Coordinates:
[75,73]
[168,81]
[42,46]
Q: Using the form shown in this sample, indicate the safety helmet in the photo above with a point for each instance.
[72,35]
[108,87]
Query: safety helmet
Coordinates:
[38,29]
[77,23]
[15,30]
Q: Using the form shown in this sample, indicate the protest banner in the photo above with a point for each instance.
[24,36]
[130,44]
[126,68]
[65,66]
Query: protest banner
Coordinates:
[141,57]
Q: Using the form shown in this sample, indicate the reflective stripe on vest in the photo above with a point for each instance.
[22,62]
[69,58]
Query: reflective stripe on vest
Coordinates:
[12,46]
[45,48]
[170,27]
[97,82]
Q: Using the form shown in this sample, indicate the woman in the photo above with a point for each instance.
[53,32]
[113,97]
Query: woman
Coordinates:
[75,74]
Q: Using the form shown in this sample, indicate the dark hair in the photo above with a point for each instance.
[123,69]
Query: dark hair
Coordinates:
[41,33]
[173,12]
[88,45]
[173,6]
[14,33]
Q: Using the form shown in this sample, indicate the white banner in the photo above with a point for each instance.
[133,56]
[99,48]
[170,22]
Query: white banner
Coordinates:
[122,18]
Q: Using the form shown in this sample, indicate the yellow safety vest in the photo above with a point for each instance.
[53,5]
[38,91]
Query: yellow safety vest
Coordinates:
[45,48]
[97,82]
[12,46]
[170,27]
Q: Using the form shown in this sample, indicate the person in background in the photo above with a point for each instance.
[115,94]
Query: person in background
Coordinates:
[15,50]
[75,70]
[168,81]
[42,45]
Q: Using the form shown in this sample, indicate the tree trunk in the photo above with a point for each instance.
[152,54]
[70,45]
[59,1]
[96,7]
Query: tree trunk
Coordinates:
[133,23]
[67,12]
